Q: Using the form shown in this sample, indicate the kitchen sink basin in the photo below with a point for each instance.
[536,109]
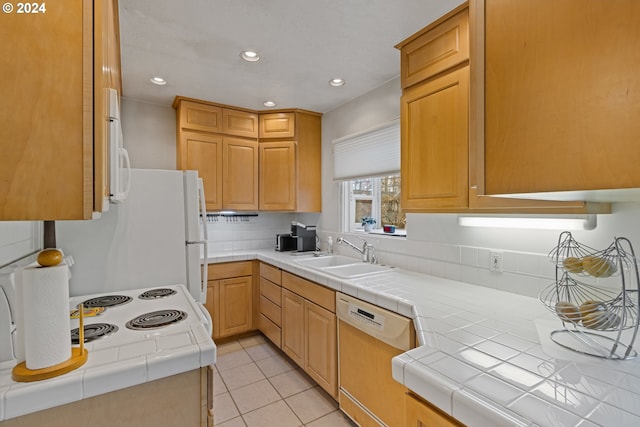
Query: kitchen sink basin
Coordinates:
[351,271]
[328,261]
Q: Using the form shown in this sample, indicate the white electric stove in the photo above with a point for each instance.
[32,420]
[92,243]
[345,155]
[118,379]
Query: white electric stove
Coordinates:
[134,315]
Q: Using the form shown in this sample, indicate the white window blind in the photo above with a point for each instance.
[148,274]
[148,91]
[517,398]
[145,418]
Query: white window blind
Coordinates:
[375,152]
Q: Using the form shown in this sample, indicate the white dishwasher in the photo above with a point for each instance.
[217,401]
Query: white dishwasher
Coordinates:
[368,338]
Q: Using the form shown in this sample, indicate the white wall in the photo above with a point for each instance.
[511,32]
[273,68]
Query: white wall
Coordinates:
[149,132]
[19,238]
[435,243]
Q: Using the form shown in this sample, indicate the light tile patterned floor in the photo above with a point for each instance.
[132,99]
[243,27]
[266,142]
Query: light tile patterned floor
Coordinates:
[256,385]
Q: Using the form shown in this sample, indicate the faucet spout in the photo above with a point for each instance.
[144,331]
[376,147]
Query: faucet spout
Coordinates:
[367,251]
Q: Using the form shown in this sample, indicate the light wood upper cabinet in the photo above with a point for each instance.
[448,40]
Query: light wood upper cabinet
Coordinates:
[199,117]
[227,164]
[239,123]
[290,168]
[283,174]
[434,143]
[239,178]
[52,96]
[278,176]
[442,124]
[203,152]
[277,125]
[562,95]
[435,50]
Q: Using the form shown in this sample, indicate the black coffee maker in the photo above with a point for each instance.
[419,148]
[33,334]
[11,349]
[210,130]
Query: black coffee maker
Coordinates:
[305,235]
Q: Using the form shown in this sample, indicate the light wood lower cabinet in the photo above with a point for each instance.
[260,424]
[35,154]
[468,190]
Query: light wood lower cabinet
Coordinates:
[230,298]
[270,304]
[178,400]
[420,413]
[309,329]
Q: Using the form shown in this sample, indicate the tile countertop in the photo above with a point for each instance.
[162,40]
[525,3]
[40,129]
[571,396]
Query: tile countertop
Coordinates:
[109,369]
[481,357]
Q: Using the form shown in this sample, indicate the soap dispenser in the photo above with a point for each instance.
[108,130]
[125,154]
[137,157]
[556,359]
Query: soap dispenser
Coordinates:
[330,245]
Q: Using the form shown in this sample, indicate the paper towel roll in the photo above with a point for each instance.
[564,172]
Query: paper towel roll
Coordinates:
[45,315]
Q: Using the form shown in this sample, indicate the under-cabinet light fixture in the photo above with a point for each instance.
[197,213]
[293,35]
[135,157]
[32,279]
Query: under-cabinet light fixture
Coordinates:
[584,222]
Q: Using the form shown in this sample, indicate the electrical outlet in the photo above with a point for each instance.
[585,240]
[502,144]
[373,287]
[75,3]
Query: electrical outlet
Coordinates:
[495,262]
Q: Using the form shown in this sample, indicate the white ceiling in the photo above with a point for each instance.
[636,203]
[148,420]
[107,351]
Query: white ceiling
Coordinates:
[195,46]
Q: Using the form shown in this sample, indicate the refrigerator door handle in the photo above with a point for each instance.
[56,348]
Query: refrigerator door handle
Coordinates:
[196,242]
[205,235]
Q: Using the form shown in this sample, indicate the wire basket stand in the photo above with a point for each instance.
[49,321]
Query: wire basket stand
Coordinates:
[595,294]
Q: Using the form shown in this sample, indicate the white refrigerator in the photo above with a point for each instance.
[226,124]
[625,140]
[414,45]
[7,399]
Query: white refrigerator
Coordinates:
[154,238]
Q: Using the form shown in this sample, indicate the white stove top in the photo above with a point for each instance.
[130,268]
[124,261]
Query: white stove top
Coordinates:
[119,315]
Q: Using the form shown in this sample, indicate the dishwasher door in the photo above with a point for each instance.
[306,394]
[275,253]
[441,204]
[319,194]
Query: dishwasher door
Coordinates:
[368,338]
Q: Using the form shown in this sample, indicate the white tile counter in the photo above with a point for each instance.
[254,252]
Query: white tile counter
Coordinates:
[481,358]
[110,368]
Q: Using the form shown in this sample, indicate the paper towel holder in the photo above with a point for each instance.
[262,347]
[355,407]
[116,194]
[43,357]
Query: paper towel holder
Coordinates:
[78,358]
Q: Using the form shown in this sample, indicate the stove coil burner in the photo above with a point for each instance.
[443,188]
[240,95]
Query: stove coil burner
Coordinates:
[156,319]
[93,332]
[157,293]
[107,301]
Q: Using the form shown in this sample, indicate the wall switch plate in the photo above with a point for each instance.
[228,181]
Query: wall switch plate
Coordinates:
[495,262]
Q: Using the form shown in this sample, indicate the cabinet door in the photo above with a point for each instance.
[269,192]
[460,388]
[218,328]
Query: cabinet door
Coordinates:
[435,51]
[235,305]
[240,174]
[46,141]
[200,117]
[203,153]
[320,342]
[277,125]
[434,143]
[293,326]
[277,176]
[212,297]
[239,123]
[420,414]
[562,95]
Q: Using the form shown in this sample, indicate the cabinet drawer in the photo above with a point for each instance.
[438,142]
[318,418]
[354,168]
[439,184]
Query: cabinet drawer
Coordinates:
[270,310]
[271,273]
[318,294]
[436,50]
[229,269]
[271,291]
[270,330]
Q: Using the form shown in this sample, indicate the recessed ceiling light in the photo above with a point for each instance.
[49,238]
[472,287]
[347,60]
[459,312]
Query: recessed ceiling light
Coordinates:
[249,55]
[337,82]
[269,104]
[156,80]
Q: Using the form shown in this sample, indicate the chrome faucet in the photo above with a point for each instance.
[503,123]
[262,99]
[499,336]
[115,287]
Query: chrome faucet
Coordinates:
[368,252]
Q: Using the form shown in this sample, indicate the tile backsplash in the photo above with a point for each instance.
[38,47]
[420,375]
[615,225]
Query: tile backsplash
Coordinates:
[226,234]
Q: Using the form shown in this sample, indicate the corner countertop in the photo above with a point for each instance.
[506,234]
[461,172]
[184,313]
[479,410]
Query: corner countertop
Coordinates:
[484,356]
[110,368]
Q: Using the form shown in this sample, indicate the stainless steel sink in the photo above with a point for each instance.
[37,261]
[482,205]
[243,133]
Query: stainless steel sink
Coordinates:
[328,261]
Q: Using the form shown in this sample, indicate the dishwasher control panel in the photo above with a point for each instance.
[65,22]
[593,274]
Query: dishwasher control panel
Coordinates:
[361,315]
[389,327]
